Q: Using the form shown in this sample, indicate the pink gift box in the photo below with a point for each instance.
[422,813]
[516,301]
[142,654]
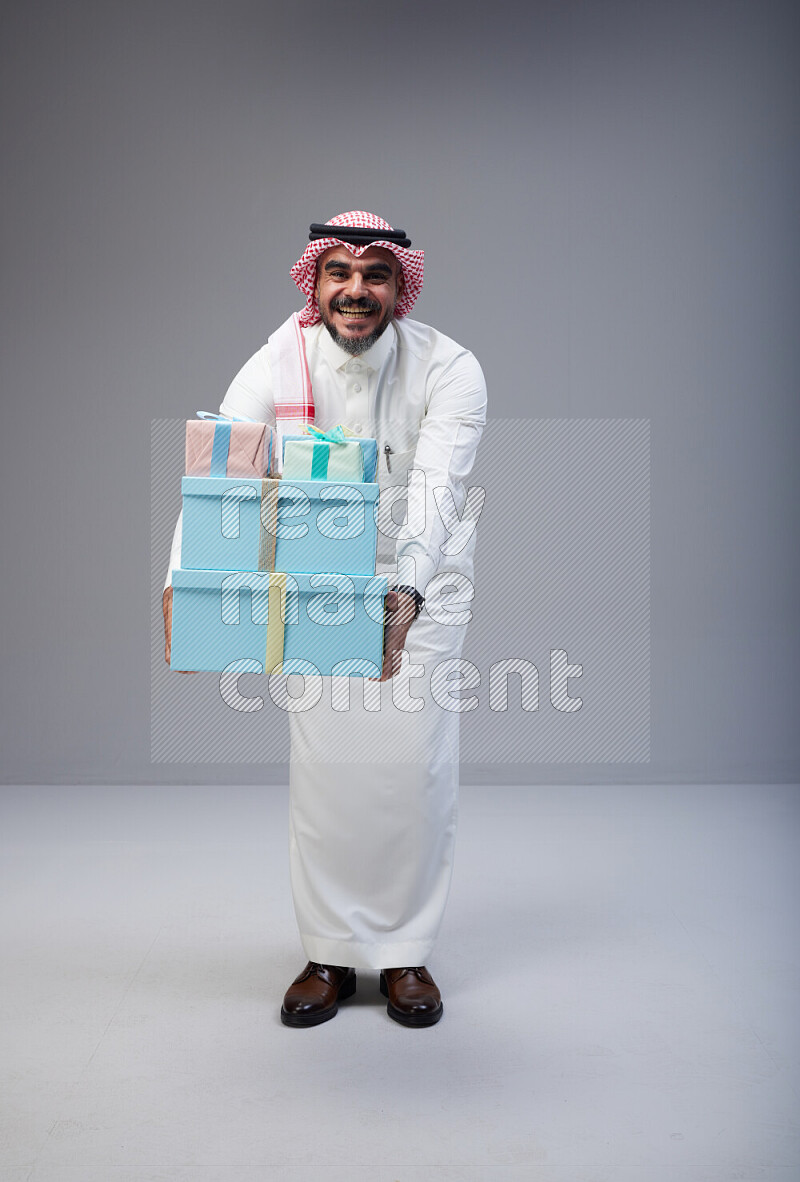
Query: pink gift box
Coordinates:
[249,448]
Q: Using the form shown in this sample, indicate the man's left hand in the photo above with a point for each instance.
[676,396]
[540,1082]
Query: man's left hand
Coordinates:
[401,611]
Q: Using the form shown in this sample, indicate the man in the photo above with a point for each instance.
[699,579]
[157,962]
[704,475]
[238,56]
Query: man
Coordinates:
[373,791]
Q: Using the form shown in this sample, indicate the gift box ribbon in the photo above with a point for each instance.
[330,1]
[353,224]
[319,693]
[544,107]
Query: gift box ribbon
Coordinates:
[275,624]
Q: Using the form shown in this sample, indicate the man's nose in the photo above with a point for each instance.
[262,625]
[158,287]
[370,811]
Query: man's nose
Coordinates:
[355,285]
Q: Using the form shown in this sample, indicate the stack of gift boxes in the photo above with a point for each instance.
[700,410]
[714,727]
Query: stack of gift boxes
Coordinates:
[278,571]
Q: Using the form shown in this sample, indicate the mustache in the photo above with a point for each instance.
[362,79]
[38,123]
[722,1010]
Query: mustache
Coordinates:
[364,304]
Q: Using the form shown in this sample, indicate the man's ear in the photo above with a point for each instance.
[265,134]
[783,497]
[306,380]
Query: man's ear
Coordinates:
[401,281]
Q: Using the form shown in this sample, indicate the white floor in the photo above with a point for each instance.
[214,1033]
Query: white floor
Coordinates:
[619,966]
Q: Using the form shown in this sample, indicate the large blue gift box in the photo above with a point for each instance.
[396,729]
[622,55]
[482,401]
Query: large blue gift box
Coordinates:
[262,525]
[330,622]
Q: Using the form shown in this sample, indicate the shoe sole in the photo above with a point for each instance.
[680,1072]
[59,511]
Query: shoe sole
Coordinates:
[429,1019]
[316,1019]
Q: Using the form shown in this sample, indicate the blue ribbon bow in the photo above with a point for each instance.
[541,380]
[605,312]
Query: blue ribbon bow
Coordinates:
[337,435]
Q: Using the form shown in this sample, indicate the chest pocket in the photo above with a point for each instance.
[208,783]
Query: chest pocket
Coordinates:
[393,465]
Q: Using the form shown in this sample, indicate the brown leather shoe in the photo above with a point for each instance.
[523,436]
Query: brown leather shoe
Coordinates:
[413,997]
[314,996]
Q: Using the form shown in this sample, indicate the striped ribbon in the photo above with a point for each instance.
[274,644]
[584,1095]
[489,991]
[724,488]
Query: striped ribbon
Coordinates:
[275,623]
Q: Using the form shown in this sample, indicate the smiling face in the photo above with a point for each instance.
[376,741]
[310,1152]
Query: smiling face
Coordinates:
[357,296]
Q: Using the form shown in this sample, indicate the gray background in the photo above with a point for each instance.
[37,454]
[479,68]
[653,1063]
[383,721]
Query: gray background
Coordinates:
[608,197]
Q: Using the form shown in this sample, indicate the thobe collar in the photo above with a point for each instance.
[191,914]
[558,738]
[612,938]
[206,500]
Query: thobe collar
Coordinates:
[373,358]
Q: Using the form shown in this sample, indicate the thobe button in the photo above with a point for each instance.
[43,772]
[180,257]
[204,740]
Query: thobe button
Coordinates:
[357,388]
[358,427]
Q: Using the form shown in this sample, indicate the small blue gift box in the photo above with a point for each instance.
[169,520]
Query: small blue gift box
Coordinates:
[333,622]
[369,452]
[301,525]
[306,459]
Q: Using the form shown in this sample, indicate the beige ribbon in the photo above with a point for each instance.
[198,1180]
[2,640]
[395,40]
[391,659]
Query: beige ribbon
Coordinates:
[275,621]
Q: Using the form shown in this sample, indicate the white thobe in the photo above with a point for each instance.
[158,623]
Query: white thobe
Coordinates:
[373,793]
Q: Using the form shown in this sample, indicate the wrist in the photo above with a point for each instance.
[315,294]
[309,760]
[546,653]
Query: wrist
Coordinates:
[412,593]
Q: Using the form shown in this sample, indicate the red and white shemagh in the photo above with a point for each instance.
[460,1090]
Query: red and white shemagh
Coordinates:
[304,272]
[291,379]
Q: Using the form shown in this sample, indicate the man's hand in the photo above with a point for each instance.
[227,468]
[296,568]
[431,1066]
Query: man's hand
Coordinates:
[166,607]
[401,611]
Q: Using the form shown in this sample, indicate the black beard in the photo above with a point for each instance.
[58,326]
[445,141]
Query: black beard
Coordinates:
[356,345]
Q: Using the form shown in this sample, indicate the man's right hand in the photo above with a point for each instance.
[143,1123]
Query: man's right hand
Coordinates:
[401,611]
[166,607]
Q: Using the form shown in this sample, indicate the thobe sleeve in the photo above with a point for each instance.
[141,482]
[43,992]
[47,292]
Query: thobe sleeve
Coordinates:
[449,435]
[250,392]
[175,553]
[250,396]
